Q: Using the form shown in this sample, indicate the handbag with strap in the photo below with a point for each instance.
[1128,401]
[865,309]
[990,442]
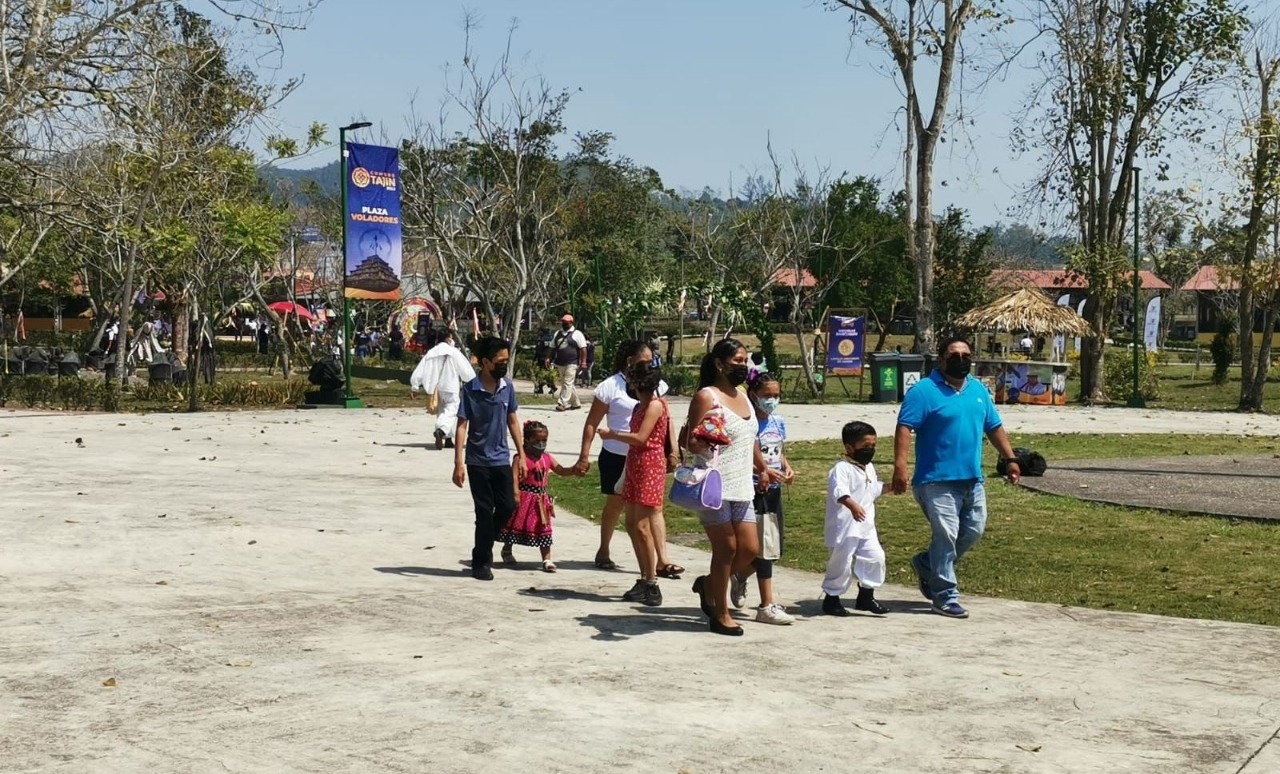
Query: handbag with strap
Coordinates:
[698,489]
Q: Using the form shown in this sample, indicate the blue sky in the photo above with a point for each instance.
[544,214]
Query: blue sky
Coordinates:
[693,89]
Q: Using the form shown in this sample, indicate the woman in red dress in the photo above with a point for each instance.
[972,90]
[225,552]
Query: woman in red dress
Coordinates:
[644,483]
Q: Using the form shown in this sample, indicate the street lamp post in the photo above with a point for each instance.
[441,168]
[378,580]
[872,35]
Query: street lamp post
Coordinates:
[349,399]
[1135,397]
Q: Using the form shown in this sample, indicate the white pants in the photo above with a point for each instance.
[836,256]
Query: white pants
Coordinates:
[568,396]
[447,413]
[861,556]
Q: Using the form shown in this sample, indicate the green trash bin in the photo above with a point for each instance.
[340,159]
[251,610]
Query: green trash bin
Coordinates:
[911,368]
[885,377]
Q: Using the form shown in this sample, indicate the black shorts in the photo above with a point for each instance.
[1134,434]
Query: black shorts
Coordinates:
[611,466]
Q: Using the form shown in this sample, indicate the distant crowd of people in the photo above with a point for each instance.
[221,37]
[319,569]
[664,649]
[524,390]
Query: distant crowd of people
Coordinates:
[735,436]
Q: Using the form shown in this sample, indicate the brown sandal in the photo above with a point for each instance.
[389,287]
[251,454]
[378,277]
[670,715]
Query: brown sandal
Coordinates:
[670,571]
[605,564]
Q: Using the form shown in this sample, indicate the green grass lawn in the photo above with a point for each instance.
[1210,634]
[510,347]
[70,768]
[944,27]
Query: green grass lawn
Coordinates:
[1043,548]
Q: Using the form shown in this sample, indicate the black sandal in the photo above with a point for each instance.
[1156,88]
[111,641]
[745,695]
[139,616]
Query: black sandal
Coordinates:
[606,563]
[670,571]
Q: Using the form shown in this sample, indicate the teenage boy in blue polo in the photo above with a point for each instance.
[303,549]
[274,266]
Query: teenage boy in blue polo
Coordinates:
[486,418]
[949,412]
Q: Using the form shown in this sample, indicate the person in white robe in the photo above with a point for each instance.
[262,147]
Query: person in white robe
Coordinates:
[442,372]
[850,528]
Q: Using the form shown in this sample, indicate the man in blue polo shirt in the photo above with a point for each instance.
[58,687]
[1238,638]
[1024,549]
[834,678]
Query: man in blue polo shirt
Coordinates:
[486,416]
[949,412]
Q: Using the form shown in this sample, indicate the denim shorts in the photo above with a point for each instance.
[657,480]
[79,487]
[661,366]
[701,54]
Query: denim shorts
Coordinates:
[730,512]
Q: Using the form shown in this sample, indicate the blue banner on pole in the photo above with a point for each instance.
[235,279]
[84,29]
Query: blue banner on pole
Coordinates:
[845,345]
[372,222]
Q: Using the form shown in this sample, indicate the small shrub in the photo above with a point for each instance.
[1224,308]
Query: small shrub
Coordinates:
[109,395]
[281,393]
[1118,375]
[6,389]
[1223,351]
[680,381]
[37,390]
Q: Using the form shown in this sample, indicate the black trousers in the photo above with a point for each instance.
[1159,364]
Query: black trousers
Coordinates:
[492,489]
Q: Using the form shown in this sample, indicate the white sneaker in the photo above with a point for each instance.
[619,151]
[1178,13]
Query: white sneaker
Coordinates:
[738,591]
[774,614]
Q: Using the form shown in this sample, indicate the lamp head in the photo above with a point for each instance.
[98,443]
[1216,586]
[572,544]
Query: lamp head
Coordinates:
[357,125]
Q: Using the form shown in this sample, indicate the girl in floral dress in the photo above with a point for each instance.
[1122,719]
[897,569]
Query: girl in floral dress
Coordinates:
[530,525]
[644,482]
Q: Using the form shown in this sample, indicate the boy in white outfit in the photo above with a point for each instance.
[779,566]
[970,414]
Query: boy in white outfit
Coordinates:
[850,529]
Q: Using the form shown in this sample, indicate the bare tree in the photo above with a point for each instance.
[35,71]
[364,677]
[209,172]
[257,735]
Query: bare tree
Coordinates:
[494,192]
[915,32]
[1120,77]
[1259,287]
[786,230]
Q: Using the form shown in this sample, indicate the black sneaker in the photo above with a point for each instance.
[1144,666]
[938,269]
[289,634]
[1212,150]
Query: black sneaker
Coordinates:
[637,592]
[482,573]
[439,440]
[652,596]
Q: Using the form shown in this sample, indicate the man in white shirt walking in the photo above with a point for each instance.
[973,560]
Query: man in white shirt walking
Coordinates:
[568,353]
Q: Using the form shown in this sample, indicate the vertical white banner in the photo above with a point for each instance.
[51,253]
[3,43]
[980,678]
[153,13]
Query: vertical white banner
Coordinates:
[1151,331]
[1080,311]
[1060,341]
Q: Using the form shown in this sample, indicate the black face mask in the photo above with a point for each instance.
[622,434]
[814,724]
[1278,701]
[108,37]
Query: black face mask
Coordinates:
[864,456]
[499,370]
[958,366]
[737,375]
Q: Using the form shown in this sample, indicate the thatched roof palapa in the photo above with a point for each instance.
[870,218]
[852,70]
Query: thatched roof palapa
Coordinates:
[1025,310]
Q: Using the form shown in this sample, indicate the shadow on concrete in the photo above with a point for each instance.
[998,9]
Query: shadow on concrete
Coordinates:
[429,446]
[463,571]
[563,594]
[615,628]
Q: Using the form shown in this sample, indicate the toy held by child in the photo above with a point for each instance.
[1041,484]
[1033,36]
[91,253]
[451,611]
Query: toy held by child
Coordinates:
[850,529]
[531,525]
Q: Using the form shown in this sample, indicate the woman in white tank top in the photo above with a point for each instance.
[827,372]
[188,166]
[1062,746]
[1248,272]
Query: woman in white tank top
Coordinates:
[732,528]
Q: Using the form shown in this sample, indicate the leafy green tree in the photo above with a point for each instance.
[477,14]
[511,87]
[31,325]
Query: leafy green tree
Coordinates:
[1121,78]
[962,272]
[881,280]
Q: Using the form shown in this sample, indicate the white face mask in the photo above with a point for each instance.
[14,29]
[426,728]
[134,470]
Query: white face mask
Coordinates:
[768,405]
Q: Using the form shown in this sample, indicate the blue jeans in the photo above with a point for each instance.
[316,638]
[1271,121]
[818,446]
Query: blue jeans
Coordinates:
[957,512]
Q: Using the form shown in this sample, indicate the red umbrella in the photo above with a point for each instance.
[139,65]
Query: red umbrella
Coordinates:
[287,308]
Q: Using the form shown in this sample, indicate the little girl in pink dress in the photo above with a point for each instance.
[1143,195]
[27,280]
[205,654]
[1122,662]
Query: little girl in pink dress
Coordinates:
[530,525]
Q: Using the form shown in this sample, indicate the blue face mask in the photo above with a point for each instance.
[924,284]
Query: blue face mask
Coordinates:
[768,405]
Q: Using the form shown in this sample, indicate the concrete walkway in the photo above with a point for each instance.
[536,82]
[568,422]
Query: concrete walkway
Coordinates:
[284,592]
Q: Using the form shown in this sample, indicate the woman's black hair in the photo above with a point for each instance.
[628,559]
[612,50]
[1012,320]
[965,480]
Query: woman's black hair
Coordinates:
[761,379]
[856,431]
[642,377]
[626,351]
[531,428]
[488,347]
[723,350]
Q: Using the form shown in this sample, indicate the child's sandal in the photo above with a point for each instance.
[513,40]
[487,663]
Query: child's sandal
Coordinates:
[508,558]
[548,565]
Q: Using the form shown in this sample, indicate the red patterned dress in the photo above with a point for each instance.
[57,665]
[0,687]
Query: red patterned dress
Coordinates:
[646,478]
